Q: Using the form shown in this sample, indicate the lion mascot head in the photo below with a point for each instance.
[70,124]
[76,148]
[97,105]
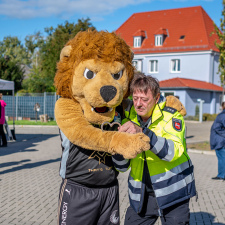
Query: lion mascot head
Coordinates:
[95,69]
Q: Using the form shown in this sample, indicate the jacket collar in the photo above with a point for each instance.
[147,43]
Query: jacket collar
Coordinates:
[157,112]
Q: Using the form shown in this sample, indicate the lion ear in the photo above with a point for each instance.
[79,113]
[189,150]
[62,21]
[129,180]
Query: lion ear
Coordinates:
[65,52]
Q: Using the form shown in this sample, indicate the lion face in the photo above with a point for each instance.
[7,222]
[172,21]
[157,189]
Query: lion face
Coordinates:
[99,87]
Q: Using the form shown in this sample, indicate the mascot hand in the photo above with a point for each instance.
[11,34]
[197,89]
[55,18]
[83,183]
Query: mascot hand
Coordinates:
[129,145]
[175,103]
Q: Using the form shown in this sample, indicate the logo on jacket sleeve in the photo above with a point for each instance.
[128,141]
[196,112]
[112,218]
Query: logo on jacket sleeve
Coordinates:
[177,124]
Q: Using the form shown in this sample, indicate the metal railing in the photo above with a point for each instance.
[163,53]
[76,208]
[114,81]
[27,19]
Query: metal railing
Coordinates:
[22,106]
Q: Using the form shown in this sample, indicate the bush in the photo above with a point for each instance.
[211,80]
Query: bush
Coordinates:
[209,117]
[205,117]
[194,118]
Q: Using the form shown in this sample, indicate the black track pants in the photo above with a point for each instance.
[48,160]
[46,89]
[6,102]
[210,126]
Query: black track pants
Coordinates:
[81,205]
[178,214]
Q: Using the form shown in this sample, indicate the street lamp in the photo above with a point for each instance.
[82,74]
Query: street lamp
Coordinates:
[200,108]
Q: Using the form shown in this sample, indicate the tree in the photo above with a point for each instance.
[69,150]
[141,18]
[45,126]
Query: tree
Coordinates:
[10,70]
[12,48]
[33,43]
[220,44]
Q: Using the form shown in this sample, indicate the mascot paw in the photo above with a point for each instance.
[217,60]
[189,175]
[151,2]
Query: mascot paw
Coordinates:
[175,103]
[129,145]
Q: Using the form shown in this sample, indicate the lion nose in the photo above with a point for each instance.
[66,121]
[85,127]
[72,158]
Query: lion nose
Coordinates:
[108,93]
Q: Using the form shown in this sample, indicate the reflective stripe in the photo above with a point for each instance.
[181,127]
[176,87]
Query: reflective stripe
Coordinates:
[135,197]
[170,153]
[137,188]
[174,187]
[120,163]
[158,145]
[173,172]
[121,169]
[134,183]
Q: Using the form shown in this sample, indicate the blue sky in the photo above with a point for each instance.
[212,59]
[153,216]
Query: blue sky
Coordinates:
[26,17]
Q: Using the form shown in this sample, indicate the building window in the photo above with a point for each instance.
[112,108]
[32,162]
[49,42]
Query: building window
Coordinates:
[138,65]
[135,64]
[158,40]
[165,93]
[175,65]
[153,66]
[182,37]
[137,42]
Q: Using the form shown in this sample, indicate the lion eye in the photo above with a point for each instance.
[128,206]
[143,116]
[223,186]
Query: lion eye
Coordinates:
[88,74]
[117,76]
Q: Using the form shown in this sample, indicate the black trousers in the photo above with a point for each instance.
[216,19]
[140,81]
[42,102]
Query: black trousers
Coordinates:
[82,205]
[178,214]
[3,137]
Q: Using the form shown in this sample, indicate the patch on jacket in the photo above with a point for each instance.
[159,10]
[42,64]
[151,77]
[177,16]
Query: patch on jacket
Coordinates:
[177,124]
[169,109]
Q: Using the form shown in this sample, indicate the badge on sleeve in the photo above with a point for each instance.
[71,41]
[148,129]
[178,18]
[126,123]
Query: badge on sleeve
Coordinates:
[177,124]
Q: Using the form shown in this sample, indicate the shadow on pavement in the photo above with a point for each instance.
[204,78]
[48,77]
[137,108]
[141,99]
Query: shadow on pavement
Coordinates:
[30,165]
[190,136]
[27,137]
[203,218]
[7,164]
[24,143]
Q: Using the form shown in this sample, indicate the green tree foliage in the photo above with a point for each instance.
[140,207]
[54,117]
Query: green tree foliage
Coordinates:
[10,70]
[51,48]
[36,83]
[12,48]
[33,43]
[220,44]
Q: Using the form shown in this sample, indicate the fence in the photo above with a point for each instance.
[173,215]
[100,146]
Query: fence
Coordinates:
[22,106]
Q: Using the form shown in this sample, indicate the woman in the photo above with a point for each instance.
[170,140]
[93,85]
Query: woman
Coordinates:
[2,122]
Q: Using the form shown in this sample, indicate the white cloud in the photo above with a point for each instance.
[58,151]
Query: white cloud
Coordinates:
[94,9]
[25,9]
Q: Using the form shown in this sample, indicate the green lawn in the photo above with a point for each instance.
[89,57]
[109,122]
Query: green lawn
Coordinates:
[32,122]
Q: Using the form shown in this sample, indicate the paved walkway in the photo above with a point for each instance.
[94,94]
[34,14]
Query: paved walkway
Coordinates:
[29,180]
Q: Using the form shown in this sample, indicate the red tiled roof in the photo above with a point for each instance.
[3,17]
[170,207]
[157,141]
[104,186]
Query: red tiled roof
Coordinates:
[139,33]
[192,22]
[161,31]
[189,83]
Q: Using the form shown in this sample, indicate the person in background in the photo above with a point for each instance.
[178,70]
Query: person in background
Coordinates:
[217,142]
[161,180]
[2,122]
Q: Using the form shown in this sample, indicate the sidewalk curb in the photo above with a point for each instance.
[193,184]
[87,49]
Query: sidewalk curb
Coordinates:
[37,126]
[201,151]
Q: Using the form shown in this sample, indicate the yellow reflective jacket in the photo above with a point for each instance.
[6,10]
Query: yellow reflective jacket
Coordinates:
[169,165]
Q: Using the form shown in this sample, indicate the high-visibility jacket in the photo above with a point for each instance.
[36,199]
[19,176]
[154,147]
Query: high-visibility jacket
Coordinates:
[169,166]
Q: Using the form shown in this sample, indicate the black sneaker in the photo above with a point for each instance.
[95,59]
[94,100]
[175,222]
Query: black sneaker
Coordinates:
[217,178]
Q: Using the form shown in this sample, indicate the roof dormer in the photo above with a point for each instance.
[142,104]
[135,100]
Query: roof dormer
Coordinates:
[139,36]
[160,36]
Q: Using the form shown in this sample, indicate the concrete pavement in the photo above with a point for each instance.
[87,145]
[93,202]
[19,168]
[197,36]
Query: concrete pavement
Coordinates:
[29,179]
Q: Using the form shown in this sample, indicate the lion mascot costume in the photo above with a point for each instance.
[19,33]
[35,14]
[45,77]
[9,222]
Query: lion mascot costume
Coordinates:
[93,77]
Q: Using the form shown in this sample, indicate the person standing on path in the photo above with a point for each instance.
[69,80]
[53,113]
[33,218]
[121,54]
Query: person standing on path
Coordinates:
[2,122]
[217,142]
[161,180]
